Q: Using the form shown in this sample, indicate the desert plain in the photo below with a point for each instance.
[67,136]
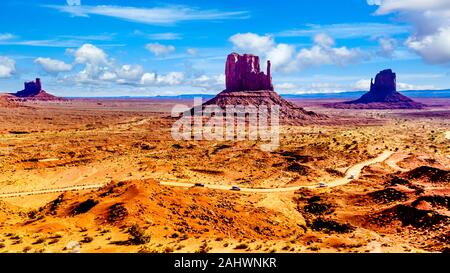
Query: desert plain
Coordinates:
[105,175]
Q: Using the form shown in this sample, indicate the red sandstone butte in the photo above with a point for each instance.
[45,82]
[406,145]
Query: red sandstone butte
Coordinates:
[243,73]
[382,95]
[33,91]
[246,84]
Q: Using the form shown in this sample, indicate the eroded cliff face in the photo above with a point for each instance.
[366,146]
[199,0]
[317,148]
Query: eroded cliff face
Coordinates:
[243,73]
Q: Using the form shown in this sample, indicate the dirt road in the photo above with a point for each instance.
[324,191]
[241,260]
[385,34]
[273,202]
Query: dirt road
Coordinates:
[351,174]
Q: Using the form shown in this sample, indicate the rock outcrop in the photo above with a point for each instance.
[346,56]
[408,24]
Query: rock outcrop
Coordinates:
[382,95]
[243,73]
[247,85]
[33,91]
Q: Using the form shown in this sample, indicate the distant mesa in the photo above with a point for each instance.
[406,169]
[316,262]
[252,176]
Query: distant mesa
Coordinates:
[246,84]
[382,95]
[33,91]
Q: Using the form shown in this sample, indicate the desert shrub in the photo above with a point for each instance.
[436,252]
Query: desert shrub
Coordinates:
[138,236]
[87,239]
[241,246]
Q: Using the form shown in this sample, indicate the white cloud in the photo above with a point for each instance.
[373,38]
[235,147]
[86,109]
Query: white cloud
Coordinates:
[434,48]
[431,21]
[172,78]
[214,82]
[192,51]
[346,31]
[388,6]
[164,36]
[130,72]
[324,40]
[7,67]
[52,65]
[364,85]
[284,56]
[159,49]
[73,2]
[252,43]
[286,86]
[108,76]
[153,16]
[387,47]
[323,53]
[90,54]
[281,56]
[406,86]
[6,36]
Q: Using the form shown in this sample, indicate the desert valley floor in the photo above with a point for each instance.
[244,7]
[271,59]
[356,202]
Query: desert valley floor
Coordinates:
[107,175]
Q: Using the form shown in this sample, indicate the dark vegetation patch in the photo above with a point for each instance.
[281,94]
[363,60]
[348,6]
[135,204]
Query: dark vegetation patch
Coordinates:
[430,174]
[330,226]
[435,200]
[316,207]
[388,195]
[411,216]
[208,171]
[294,156]
[298,168]
[117,212]
[84,207]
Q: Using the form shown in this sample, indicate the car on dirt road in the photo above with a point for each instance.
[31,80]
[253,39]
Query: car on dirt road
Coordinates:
[235,188]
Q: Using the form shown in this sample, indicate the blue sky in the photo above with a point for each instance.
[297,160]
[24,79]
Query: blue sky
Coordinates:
[146,48]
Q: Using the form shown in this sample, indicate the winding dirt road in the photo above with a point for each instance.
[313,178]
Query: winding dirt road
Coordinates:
[52,190]
[351,174]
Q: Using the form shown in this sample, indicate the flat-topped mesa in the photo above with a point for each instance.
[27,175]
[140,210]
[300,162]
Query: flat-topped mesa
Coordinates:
[243,73]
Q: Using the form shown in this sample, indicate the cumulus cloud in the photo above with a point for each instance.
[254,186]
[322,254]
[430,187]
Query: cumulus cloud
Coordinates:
[159,49]
[431,22]
[252,42]
[281,56]
[130,72]
[323,52]
[98,68]
[7,67]
[172,78]
[89,53]
[285,58]
[209,82]
[52,65]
